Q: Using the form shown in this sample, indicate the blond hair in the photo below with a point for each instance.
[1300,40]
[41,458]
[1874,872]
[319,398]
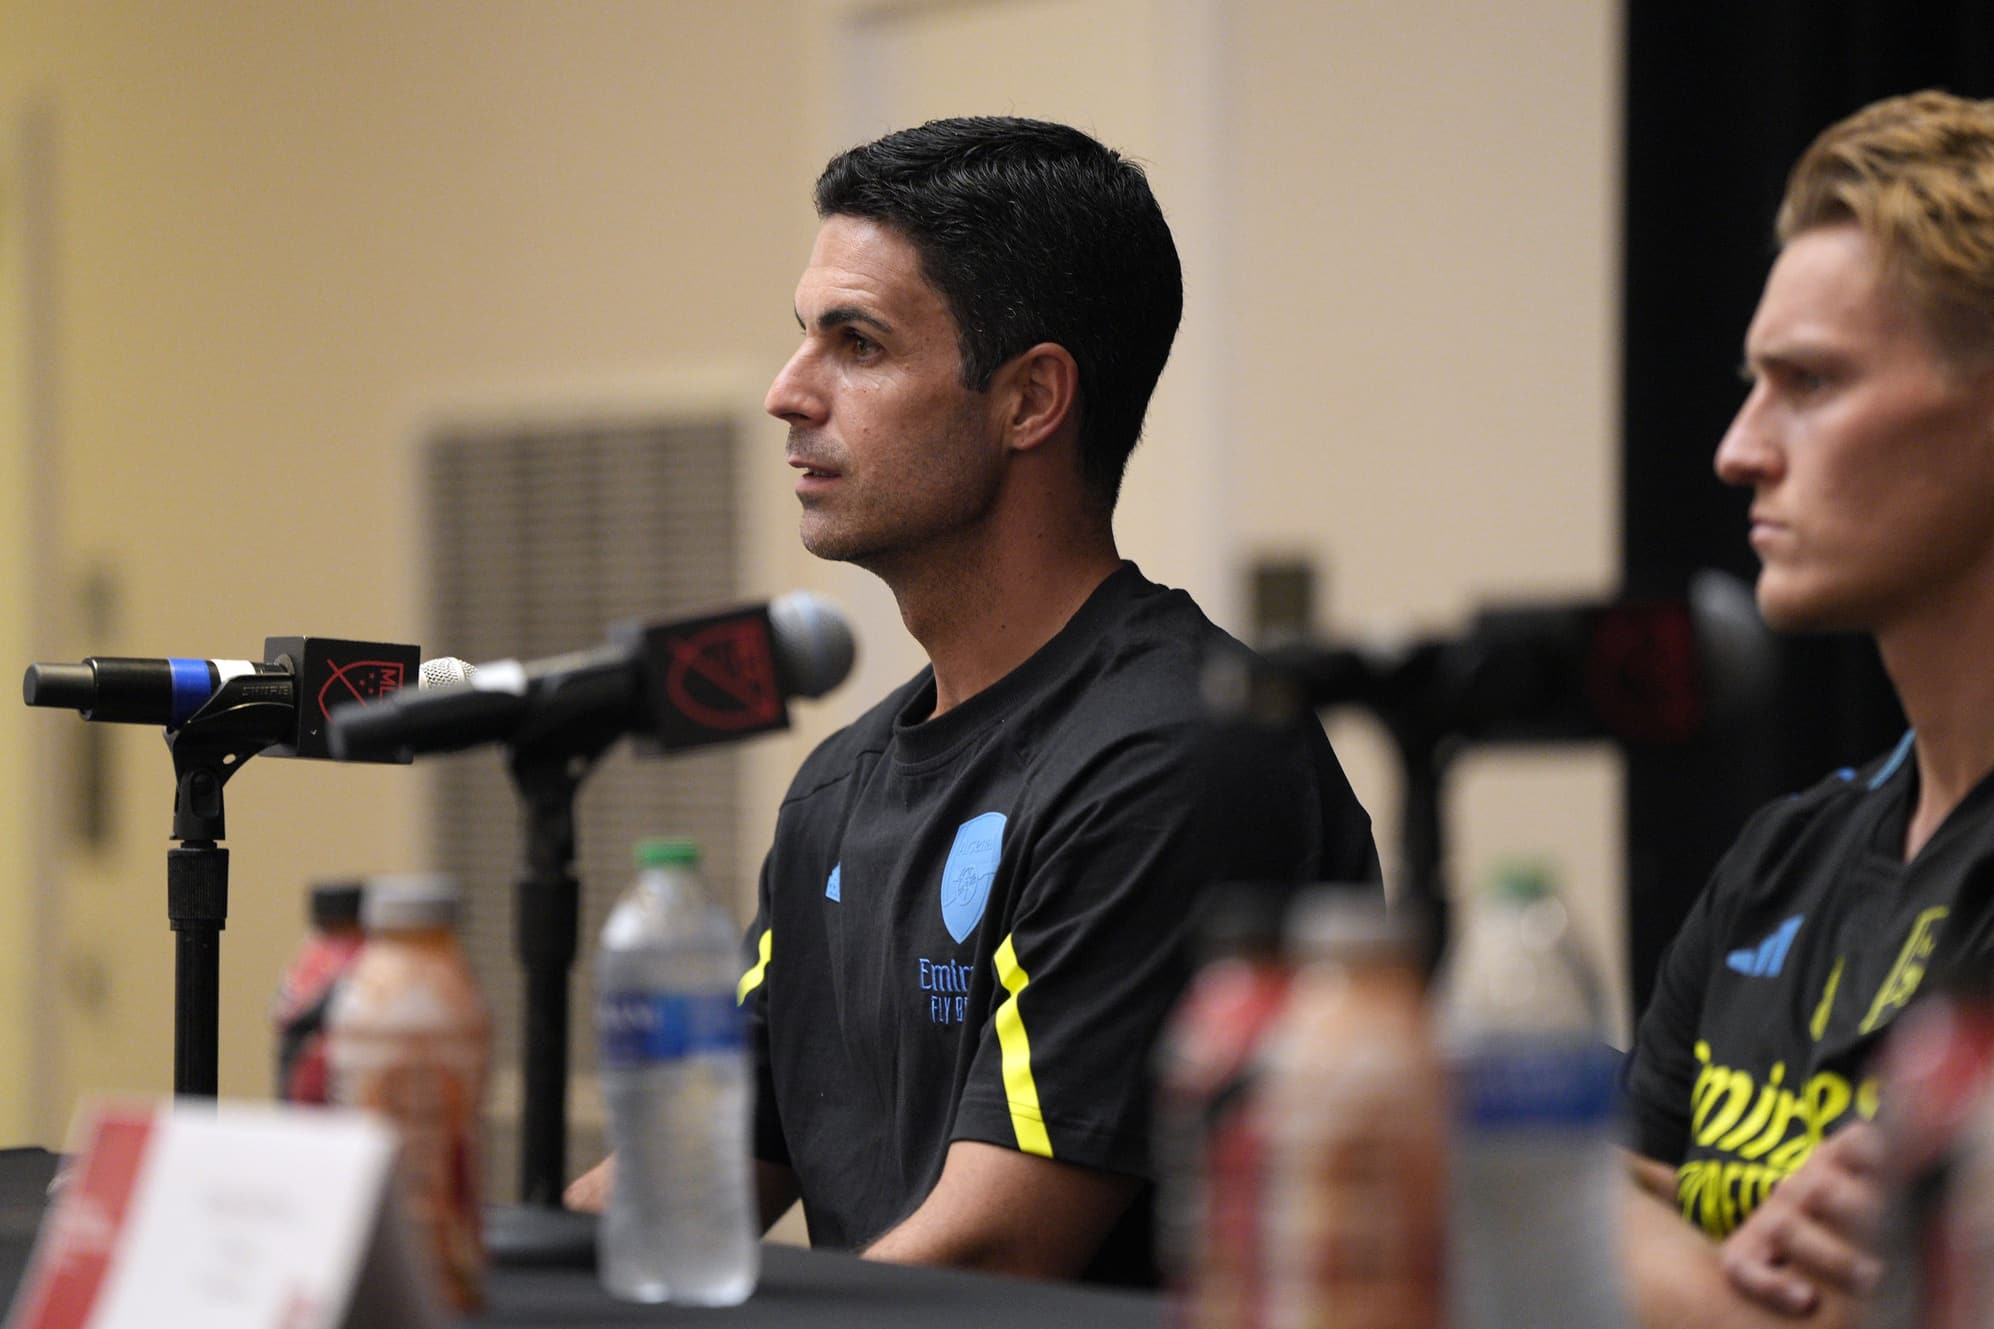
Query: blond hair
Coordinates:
[1916,174]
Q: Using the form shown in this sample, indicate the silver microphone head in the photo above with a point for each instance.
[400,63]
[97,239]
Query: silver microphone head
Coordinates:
[813,642]
[445,672]
[1737,651]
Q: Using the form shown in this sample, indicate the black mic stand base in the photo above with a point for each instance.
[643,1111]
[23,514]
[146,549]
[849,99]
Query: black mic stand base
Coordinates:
[539,1236]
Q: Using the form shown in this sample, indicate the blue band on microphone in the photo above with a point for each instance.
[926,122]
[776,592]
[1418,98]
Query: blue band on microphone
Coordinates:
[193,684]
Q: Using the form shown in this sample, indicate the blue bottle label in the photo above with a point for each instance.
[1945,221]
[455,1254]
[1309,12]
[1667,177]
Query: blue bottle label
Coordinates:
[637,1029]
[1527,1082]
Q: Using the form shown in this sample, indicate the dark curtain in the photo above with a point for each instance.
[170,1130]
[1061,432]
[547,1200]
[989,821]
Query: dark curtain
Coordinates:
[1720,100]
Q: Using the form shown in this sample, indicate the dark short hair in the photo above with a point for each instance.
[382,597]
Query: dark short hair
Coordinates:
[1032,232]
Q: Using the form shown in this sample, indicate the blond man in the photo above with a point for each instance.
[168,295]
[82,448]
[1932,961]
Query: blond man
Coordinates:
[1867,440]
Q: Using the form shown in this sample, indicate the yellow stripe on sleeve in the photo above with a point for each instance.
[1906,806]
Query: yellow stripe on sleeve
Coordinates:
[1020,1090]
[753,978]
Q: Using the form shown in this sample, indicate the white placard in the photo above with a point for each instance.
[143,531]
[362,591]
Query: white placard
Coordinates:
[227,1216]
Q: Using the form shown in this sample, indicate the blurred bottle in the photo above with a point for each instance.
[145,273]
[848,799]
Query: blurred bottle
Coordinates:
[409,1037]
[305,991]
[1937,1239]
[681,1223]
[1209,1153]
[1355,1122]
[1535,1207]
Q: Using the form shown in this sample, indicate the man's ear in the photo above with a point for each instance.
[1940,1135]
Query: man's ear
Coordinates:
[1041,394]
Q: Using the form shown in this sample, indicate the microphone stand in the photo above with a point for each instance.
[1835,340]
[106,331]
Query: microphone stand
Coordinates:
[212,745]
[1415,700]
[1417,710]
[548,766]
[1424,756]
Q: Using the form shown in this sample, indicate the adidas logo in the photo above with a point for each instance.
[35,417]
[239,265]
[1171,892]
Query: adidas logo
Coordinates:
[1765,959]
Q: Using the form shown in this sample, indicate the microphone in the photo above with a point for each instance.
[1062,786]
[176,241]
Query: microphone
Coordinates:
[676,685]
[1644,671]
[446,671]
[133,691]
[298,683]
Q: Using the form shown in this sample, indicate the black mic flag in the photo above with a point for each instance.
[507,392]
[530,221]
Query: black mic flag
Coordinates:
[675,685]
[1645,671]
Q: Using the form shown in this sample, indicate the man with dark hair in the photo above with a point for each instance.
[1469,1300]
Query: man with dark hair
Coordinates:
[1867,439]
[971,922]
[1080,257]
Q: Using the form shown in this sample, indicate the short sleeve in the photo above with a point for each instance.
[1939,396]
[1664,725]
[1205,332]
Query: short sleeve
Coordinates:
[757,954]
[1661,1071]
[1097,954]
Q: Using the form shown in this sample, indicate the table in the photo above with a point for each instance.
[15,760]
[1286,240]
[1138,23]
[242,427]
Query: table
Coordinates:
[799,1288]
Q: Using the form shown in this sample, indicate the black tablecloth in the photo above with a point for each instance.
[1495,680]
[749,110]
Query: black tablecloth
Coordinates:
[830,1291]
[819,1289]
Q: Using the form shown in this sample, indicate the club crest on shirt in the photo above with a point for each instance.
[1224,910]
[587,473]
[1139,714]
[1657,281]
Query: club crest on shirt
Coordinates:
[966,876]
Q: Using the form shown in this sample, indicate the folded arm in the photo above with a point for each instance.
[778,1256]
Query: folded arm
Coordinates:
[1009,1212]
[1816,1233]
[775,1189]
[1676,1276]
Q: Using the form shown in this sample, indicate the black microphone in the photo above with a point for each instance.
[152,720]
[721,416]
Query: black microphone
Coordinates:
[300,680]
[1646,671]
[675,685]
[122,689]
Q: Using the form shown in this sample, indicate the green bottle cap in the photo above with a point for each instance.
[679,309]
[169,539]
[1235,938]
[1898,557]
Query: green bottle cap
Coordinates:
[1523,880]
[668,851]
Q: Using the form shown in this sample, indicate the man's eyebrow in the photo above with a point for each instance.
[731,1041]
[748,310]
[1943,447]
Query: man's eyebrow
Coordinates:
[1793,352]
[843,314]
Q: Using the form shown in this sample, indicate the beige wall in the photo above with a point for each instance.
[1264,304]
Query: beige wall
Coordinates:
[1424,286]
[26,745]
[285,234]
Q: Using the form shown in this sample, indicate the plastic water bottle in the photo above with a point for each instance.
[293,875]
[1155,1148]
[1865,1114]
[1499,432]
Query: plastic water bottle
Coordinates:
[673,1063]
[1532,1236]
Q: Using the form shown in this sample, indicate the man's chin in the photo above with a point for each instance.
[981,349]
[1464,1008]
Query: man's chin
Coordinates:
[831,545]
[1787,607]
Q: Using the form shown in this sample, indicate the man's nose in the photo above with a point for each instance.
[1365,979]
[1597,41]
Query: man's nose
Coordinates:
[793,396]
[1747,454]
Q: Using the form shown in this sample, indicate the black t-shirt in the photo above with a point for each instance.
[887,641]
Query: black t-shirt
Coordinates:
[1812,935]
[972,926]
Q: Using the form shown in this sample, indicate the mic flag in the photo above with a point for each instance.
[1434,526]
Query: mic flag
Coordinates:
[711,679]
[674,685]
[1642,671]
[332,672]
[1641,674]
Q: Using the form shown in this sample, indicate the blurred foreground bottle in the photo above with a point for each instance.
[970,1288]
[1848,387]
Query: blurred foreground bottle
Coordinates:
[681,1223]
[409,1037]
[1355,1123]
[1937,1073]
[1208,1148]
[1535,1203]
[305,992]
